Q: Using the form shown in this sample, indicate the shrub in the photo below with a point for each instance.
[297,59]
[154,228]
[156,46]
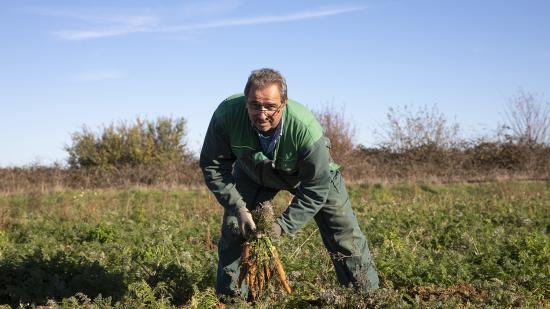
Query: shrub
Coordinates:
[142,143]
[528,119]
[427,126]
[340,132]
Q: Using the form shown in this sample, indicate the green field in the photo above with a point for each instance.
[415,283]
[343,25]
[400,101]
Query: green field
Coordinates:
[470,245]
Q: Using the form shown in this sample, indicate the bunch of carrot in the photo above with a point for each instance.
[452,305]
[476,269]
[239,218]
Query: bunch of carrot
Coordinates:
[259,258]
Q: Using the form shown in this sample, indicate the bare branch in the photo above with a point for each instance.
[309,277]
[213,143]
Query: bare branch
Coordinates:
[528,119]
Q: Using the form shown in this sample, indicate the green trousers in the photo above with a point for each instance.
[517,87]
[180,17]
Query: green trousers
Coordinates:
[342,237]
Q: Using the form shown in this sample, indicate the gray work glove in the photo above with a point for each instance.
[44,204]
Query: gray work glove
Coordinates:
[246,223]
[276,231]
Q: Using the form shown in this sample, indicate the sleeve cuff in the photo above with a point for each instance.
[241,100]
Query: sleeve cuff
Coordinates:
[284,227]
[239,204]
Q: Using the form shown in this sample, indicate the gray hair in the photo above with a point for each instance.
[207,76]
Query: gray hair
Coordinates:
[265,77]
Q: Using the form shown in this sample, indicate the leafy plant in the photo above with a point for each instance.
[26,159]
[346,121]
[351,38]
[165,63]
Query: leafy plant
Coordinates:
[455,245]
[141,143]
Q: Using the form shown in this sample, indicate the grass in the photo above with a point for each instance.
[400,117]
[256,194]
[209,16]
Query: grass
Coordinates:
[470,245]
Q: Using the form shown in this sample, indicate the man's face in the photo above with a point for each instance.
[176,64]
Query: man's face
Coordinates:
[265,108]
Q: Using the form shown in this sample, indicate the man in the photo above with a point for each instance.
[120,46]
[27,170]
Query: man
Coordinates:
[262,142]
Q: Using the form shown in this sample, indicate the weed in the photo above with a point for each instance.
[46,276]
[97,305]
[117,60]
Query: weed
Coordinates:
[466,245]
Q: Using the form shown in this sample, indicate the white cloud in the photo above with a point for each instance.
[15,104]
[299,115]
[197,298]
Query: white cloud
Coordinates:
[103,22]
[208,8]
[128,25]
[99,75]
[98,16]
[260,20]
[98,33]
[119,25]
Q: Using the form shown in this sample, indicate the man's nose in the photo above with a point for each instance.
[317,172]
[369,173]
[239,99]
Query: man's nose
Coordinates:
[262,114]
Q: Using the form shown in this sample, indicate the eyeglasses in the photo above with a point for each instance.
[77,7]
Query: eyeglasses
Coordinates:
[268,109]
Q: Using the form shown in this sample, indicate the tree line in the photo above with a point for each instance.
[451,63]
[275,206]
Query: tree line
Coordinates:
[414,144]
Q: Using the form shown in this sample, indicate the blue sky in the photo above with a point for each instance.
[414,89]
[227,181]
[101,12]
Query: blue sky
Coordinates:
[65,64]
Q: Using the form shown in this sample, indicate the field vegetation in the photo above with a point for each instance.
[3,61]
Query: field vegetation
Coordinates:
[128,223]
[472,245]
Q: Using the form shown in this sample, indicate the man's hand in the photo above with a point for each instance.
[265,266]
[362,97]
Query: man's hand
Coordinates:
[246,223]
[276,231]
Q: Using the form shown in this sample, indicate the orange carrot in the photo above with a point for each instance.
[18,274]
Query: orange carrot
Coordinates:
[280,270]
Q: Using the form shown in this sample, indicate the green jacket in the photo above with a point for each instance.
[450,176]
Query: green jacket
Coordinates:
[302,162]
